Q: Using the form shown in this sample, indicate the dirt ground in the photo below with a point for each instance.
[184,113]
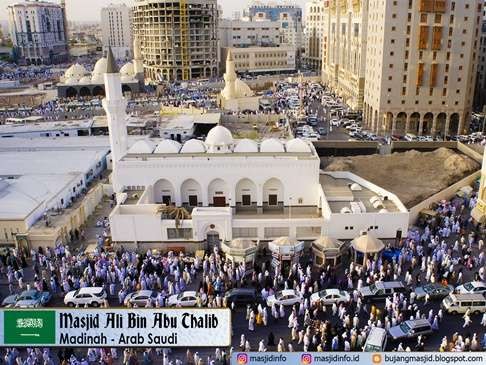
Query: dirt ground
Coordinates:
[413,176]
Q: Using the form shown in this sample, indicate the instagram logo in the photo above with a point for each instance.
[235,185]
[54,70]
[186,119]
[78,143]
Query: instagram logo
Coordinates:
[306,359]
[242,359]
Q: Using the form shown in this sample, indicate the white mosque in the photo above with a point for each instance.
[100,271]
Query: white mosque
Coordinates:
[186,195]
[236,95]
[77,81]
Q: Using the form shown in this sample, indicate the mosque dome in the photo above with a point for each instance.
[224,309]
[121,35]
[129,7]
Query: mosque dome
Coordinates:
[168,146]
[246,146]
[142,147]
[127,69]
[99,70]
[193,146]
[219,140]
[100,66]
[271,145]
[219,136]
[297,145]
[76,71]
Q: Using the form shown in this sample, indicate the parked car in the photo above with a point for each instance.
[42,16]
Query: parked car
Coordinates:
[140,297]
[27,299]
[242,296]
[91,296]
[285,297]
[461,303]
[184,299]
[376,340]
[410,329]
[409,137]
[381,290]
[471,287]
[434,290]
[330,296]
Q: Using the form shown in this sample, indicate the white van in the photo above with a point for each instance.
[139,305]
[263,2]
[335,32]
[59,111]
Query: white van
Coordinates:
[460,303]
[410,137]
[376,340]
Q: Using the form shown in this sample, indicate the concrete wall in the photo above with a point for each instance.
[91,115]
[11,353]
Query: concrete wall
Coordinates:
[345,148]
[446,194]
[402,146]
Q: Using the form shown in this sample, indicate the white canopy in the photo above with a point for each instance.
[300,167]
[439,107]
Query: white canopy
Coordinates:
[367,243]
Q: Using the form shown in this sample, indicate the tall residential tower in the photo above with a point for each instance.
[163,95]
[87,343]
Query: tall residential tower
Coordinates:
[178,38]
[116,30]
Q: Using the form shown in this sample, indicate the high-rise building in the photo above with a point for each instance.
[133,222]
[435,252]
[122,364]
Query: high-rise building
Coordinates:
[246,33]
[479,212]
[116,30]
[179,38]
[288,15]
[344,49]
[313,33]
[480,92]
[417,59]
[38,32]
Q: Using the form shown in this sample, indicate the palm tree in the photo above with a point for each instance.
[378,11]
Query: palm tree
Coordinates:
[177,213]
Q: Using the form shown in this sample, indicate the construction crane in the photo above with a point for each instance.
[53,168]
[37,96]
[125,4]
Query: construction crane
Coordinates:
[184,27]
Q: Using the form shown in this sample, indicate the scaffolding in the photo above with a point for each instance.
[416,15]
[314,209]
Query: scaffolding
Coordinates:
[184,28]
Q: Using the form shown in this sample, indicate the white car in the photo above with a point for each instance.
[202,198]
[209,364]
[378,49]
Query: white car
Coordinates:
[184,299]
[330,296]
[92,296]
[285,297]
[472,287]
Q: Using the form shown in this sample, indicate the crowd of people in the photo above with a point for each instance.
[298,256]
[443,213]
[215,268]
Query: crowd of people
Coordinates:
[448,248]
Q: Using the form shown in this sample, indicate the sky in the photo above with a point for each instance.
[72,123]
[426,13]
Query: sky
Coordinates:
[89,10]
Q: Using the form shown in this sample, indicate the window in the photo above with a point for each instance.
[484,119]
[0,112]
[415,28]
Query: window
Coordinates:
[423,18]
[272,199]
[175,233]
[239,232]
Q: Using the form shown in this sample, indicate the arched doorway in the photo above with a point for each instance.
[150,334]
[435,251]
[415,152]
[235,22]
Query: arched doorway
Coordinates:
[427,124]
[164,192]
[273,194]
[246,193]
[126,89]
[401,124]
[454,124]
[218,193]
[84,91]
[191,193]
[71,92]
[98,91]
[212,239]
[414,122]
[441,123]
[388,122]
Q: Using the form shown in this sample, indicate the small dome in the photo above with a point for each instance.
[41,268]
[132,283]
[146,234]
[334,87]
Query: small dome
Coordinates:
[246,146]
[297,145]
[71,81]
[219,136]
[142,147]
[193,146]
[75,71]
[85,80]
[168,146]
[127,69]
[100,66]
[271,145]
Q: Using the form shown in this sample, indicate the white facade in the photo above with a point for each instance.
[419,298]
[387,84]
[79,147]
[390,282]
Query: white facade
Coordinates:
[246,33]
[37,30]
[263,59]
[116,30]
[313,33]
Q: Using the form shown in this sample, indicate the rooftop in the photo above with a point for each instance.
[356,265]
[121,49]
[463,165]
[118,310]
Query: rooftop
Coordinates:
[44,126]
[343,197]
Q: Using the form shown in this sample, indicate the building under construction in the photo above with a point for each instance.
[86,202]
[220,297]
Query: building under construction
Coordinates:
[178,38]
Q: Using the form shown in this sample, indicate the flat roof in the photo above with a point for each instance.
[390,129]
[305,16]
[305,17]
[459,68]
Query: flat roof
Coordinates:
[339,195]
[19,197]
[187,121]
[17,128]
